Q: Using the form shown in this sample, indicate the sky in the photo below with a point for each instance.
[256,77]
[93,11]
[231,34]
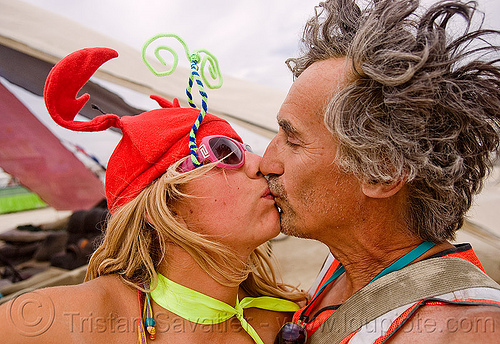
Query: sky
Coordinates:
[251,39]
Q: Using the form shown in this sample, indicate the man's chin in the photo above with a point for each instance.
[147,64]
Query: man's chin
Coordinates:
[292,230]
[287,224]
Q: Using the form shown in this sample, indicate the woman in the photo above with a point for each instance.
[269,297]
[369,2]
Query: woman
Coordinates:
[182,245]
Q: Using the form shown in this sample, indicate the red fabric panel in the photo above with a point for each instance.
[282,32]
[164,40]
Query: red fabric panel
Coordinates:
[397,322]
[468,255]
[312,326]
[32,154]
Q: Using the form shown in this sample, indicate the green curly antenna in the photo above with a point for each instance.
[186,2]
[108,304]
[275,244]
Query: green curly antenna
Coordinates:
[213,67]
[194,59]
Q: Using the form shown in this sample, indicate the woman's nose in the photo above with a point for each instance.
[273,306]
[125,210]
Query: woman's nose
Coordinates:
[252,163]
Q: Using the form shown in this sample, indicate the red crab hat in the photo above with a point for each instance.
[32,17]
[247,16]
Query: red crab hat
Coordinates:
[151,142]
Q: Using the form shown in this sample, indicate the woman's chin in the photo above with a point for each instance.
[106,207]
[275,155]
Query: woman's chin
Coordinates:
[276,231]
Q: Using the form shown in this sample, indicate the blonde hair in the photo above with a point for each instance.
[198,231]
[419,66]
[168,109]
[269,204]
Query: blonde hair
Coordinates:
[134,244]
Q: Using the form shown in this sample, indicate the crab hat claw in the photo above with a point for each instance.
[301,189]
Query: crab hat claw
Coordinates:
[65,80]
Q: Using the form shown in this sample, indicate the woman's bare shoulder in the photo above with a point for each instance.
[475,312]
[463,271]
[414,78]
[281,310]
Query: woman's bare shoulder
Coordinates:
[47,314]
[97,294]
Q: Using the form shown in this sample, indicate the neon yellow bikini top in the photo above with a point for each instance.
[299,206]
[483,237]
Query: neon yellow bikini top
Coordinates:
[202,309]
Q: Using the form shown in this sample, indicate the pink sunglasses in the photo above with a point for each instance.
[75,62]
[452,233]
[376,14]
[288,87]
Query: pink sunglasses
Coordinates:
[228,152]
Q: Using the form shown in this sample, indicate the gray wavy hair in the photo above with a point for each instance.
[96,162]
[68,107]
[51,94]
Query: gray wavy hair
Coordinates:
[423,102]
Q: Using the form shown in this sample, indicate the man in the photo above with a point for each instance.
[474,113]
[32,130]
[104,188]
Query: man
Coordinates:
[385,136]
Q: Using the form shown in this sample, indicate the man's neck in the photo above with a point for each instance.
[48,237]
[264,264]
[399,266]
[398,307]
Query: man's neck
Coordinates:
[365,259]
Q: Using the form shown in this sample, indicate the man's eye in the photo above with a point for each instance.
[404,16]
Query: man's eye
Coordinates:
[290,141]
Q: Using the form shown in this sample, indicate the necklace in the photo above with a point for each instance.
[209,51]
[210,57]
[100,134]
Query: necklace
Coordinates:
[397,265]
[203,309]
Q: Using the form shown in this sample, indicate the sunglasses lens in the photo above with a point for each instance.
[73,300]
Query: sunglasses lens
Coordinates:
[226,150]
[291,333]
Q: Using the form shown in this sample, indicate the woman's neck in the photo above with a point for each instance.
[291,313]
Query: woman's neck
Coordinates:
[183,269]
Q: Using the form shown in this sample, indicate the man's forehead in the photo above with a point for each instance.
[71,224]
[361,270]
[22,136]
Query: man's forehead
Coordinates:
[311,92]
[300,126]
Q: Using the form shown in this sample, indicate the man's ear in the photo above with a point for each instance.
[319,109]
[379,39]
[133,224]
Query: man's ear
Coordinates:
[382,190]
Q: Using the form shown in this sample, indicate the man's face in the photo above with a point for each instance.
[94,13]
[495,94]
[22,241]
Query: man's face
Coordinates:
[311,190]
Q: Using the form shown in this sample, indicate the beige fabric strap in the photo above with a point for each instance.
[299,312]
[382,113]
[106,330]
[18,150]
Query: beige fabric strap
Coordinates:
[415,282]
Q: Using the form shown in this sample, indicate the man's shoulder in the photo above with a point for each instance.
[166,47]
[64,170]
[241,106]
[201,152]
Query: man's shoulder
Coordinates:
[451,324]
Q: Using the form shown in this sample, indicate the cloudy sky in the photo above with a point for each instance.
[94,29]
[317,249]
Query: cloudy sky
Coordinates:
[251,39]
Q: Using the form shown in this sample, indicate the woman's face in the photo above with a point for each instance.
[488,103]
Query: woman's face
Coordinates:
[234,206]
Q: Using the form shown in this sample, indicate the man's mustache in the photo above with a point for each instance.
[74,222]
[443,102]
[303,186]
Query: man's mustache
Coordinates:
[276,187]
